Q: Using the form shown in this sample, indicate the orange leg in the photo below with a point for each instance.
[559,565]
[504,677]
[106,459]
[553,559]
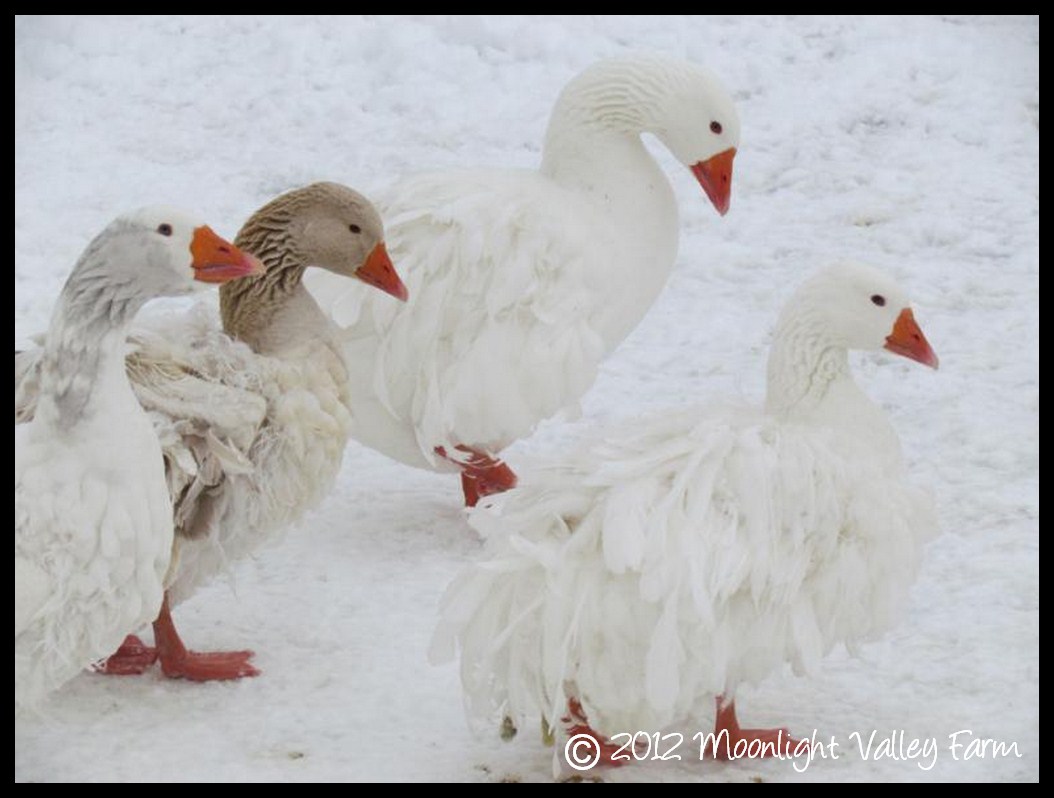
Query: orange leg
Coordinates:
[578,724]
[481,474]
[131,659]
[470,489]
[134,657]
[754,743]
[177,662]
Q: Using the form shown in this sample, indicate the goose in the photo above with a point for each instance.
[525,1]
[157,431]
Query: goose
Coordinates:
[93,520]
[673,558]
[252,416]
[522,281]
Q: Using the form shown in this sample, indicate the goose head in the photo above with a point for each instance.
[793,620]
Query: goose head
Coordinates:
[159,251]
[681,104]
[859,307]
[141,255]
[328,226]
[695,118]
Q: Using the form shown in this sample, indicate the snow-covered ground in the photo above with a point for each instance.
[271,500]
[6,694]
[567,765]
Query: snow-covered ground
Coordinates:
[911,143]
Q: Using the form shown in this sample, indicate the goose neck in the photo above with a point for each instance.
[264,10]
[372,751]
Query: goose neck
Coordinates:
[84,353]
[804,366]
[252,308]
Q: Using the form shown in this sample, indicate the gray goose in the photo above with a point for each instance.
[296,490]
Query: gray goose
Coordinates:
[93,521]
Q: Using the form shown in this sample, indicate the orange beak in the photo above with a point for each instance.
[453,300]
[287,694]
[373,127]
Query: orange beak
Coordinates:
[216,260]
[907,340]
[715,176]
[379,272]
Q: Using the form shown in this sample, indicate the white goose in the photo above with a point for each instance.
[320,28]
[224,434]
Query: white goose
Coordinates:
[521,282]
[670,561]
[253,430]
[93,521]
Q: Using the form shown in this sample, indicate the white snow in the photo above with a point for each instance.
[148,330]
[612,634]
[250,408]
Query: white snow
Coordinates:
[910,143]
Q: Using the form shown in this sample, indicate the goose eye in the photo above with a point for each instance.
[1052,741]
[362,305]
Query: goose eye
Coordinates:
[355,228]
[164,229]
[715,127]
[878,299]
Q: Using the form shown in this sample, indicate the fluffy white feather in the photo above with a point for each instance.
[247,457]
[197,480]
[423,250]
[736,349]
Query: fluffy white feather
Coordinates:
[673,558]
[521,282]
[250,441]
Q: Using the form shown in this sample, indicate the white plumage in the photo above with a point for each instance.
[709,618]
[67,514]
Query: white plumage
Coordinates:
[674,558]
[521,282]
[93,520]
[250,441]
